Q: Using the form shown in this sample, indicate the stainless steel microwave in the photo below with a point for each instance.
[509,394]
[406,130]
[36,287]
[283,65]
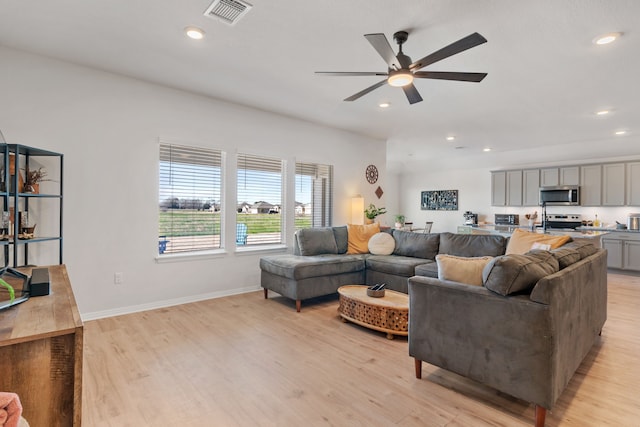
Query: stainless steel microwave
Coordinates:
[562,195]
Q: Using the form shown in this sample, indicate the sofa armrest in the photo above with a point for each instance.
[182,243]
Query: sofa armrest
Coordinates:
[503,342]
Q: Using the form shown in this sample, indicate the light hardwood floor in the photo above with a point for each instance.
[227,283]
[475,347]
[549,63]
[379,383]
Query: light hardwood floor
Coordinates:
[247,361]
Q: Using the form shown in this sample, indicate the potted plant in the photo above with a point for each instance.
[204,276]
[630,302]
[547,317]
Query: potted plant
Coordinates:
[32,179]
[399,221]
[372,212]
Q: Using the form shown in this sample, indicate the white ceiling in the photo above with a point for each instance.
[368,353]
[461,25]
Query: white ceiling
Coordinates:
[545,77]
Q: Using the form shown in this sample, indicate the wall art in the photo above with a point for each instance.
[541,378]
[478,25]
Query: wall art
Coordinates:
[439,200]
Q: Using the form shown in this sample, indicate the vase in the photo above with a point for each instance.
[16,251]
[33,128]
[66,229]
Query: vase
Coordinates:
[368,221]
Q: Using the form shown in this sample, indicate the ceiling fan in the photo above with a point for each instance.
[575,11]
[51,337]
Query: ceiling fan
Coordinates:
[402,71]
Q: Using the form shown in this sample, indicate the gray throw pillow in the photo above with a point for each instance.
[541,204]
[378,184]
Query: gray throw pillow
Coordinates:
[316,241]
[565,256]
[416,245]
[584,248]
[513,273]
[342,238]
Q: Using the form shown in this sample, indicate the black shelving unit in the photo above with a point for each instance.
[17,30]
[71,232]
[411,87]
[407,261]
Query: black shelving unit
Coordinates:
[16,248]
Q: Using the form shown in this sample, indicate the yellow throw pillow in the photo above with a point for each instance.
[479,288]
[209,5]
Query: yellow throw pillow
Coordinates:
[462,269]
[522,241]
[359,235]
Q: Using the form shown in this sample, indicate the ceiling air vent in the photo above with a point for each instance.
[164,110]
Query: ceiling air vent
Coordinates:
[230,11]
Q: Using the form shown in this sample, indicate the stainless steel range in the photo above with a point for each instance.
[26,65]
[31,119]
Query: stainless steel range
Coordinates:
[564,221]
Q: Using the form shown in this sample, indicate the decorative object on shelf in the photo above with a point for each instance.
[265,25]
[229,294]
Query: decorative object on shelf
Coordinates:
[372,212]
[27,232]
[399,221]
[379,192]
[32,180]
[372,174]
[439,200]
[5,225]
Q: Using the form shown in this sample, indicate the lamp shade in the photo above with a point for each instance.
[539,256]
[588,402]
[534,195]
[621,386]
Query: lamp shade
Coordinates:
[357,210]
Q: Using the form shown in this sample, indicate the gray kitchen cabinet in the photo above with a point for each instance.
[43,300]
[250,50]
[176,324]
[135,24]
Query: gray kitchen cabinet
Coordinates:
[633,184]
[549,177]
[514,188]
[498,188]
[591,185]
[531,187]
[570,175]
[614,252]
[613,184]
[623,250]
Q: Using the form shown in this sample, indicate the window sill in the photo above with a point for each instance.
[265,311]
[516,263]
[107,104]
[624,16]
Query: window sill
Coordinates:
[252,250]
[191,256]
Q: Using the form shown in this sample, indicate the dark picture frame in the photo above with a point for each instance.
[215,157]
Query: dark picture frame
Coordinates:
[439,200]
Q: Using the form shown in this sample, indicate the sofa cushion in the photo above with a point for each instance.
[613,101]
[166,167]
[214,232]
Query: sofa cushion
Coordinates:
[461,269]
[302,267]
[566,256]
[394,264]
[381,244]
[472,245]
[522,241]
[359,235]
[584,248]
[316,241]
[416,245]
[513,273]
[428,269]
[342,238]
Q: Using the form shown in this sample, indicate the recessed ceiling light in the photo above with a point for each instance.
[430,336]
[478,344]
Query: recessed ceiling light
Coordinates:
[606,38]
[621,132]
[384,105]
[486,149]
[451,138]
[602,112]
[194,33]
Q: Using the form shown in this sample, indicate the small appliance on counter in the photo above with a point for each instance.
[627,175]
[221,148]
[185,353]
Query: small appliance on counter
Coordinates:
[564,221]
[507,219]
[633,221]
[470,218]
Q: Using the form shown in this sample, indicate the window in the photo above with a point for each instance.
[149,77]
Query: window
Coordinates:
[314,195]
[189,199]
[259,208]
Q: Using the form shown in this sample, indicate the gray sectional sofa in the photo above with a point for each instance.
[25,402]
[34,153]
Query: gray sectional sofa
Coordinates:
[320,264]
[524,331]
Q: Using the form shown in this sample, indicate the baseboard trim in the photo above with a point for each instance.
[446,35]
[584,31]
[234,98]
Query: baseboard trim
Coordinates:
[162,304]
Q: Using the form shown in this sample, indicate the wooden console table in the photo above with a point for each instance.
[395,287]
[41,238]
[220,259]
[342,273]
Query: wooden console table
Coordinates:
[41,354]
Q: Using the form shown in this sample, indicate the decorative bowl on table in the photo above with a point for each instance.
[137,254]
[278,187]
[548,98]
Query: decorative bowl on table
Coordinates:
[375,293]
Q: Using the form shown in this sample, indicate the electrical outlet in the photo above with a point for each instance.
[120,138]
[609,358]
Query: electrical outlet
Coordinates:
[117,278]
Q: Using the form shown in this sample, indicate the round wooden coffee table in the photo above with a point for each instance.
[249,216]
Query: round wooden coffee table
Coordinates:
[388,314]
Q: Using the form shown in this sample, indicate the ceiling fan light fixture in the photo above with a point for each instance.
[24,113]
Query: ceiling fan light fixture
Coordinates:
[400,78]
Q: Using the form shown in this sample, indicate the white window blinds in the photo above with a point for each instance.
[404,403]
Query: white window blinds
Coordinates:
[260,203]
[314,195]
[190,185]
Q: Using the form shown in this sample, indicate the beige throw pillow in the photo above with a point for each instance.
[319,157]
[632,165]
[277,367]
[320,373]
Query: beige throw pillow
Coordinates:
[461,269]
[522,241]
[359,235]
[381,244]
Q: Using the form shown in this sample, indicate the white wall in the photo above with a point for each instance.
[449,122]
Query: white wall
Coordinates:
[108,127]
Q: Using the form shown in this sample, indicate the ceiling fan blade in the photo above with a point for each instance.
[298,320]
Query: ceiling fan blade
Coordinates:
[366,91]
[352,73]
[447,75]
[461,45]
[381,45]
[412,93]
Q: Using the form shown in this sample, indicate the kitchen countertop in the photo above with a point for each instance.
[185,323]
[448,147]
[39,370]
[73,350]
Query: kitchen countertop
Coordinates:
[607,229]
[582,232]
